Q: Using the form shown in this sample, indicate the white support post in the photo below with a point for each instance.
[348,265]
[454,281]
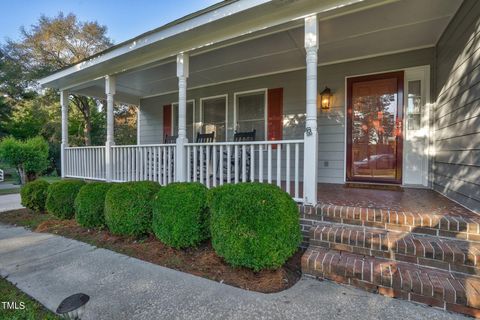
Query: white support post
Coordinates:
[182,74]
[310,136]
[110,92]
[64,104]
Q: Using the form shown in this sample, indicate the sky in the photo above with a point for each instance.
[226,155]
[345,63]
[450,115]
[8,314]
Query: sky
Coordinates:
[124,19]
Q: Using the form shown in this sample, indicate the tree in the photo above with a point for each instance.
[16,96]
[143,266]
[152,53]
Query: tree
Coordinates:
[29,157]
[5,113]
[49,45]
[125,124]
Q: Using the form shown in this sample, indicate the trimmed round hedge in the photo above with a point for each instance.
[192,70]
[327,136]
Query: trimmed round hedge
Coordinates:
[61,198]
[254,225]
[180,214]
[128,207]
[90,204]
[34,195]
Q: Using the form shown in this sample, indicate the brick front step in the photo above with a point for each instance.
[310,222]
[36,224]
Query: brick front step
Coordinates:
[438,288]
[460,227]
[430,251]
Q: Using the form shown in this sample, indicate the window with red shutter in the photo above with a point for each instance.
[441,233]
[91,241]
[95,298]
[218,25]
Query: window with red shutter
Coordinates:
[167,120]
[275,114]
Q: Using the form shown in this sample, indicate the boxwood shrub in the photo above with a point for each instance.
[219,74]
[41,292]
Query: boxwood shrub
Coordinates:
[254,225]
[90,203]
[128,207]
[34,195]
[61,198]
[180,214]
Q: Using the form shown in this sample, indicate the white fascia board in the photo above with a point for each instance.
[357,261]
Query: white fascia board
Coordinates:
[195,22]
[277,12]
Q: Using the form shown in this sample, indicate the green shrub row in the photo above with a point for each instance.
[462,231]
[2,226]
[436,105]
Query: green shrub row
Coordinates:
[90,204]
[181,215]
[252,225]
[128,207]
[34,195]
[61,198]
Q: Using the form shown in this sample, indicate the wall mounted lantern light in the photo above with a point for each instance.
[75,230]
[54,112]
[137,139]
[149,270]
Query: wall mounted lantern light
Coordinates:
[326,99]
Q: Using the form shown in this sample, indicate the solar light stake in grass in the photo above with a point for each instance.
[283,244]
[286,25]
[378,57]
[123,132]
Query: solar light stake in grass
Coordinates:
[73,307]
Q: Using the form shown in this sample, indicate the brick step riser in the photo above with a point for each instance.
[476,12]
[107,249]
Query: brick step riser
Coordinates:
[450,266]
[366,273]
[470,235]
[451,255]
[431,224]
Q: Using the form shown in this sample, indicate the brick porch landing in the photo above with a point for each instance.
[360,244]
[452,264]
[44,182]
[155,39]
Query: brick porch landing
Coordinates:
[413,244]
[408,200]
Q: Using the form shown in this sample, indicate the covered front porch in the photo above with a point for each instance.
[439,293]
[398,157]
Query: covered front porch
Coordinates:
[195,78]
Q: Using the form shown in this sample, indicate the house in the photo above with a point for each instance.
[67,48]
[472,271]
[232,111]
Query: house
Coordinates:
[376,93]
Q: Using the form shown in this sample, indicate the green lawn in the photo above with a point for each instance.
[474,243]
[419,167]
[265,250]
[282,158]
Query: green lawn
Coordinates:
[51,178]
[32,309]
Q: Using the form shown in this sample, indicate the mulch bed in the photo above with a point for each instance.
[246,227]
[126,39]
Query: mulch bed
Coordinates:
[201,261]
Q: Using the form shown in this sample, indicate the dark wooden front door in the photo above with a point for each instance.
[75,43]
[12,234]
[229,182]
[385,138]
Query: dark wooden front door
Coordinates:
[374,128]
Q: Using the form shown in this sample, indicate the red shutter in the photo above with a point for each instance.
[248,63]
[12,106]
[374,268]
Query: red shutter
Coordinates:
[167,120]
[275,114]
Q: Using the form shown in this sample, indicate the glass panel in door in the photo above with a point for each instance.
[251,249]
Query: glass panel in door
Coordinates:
[375,104]
[416,132]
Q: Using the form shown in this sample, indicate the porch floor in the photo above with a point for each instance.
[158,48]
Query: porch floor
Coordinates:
[409,199]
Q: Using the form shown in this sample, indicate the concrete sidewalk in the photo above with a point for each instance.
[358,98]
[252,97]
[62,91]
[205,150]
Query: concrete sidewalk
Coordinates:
[49,268]
[10,202]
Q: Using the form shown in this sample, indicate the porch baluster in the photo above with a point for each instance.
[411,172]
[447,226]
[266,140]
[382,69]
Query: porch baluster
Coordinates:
[260,163]
[221,165]
[287,176]
[297,160]
[236,164]
[244,163]
[279,165]
[229,164]
[214,160]
[189,164]
[252,163]
[269,163]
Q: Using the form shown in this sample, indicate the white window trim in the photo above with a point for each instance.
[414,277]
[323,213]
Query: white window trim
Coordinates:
[173,118]
[225,96]
[262,90]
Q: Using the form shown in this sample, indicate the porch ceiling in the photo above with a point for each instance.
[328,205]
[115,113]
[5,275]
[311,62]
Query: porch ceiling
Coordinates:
[392,27]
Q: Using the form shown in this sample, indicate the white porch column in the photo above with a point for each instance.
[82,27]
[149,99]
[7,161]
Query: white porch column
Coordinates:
[310,136]
[182,74]
[64,104]
[110,92]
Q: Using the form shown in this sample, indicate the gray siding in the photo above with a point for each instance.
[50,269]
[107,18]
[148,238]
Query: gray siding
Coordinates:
[150,123]
[331,125]
[457,109]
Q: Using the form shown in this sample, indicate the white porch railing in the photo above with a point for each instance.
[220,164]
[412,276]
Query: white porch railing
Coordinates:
[276,162]
[212,164]
[154,162]
[85,162]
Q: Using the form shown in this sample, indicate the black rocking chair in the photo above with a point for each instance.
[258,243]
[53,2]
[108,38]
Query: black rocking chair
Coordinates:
[170,139]
[202,138]
[239,137]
